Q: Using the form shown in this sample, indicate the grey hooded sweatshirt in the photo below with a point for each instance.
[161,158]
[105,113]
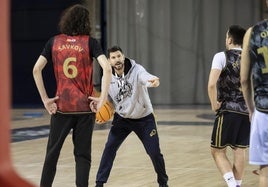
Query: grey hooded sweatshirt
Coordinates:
[129,92]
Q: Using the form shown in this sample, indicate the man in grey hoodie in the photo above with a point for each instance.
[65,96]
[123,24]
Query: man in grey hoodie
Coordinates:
[133,113]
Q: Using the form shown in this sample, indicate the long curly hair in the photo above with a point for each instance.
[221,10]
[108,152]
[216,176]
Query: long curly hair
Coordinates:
[75,21]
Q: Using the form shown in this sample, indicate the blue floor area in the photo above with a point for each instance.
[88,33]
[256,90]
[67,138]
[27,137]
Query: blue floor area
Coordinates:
[30,133]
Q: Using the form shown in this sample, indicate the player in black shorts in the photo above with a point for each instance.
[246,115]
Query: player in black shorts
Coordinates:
[232,126]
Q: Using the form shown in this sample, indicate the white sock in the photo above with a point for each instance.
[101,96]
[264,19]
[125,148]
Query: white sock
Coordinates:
[229,179]
[239,182]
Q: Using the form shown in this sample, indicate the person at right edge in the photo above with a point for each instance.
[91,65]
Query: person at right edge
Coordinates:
[254,80]
[231,126]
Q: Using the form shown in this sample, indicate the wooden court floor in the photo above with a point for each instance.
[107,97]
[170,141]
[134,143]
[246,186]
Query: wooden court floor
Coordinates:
[184,138]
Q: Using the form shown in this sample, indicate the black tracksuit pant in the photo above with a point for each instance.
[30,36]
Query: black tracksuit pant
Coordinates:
[145,129]
[60,126]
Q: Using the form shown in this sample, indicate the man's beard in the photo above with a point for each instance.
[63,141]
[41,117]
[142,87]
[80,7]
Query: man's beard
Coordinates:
[118,66]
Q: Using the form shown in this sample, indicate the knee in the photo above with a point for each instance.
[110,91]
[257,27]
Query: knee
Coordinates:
[213,152]
[217,152]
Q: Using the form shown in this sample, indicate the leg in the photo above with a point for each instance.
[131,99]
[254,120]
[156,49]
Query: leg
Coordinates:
[147,132]
[116,136]
[221,160]
[258,148]
[224,165]
[82,138]
[263,181]
[219,142]
[227,131]
[58,132]
[239,163]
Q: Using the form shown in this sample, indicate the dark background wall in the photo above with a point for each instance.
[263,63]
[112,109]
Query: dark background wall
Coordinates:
[177,39]
[33,22]
[173,39]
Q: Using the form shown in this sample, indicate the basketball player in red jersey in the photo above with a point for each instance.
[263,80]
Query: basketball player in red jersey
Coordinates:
[71,52]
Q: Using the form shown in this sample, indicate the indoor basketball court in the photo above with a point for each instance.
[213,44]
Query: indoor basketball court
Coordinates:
[185,143]
[185,120]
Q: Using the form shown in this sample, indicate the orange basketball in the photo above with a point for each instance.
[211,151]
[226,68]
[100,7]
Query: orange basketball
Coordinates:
[105,113]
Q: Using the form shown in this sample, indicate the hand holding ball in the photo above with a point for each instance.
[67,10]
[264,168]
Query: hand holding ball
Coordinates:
[105,113]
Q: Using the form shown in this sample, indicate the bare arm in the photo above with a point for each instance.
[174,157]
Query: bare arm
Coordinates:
[49,103]
[105,83]
[212,89]
[245,73]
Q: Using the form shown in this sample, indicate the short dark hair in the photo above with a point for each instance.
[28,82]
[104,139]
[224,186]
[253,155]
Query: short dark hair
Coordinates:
[75,21]
[114,49]
[237,33]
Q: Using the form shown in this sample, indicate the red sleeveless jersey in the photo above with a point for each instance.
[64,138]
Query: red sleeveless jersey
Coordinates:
[73,68]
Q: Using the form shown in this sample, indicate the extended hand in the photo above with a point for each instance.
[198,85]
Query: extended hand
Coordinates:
[95,104]
[154,82]
[51,105]
[217,106]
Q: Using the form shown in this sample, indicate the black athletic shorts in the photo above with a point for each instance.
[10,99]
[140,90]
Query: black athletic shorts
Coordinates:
[231,129]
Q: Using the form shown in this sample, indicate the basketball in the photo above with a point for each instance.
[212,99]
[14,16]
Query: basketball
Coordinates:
[105,113]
